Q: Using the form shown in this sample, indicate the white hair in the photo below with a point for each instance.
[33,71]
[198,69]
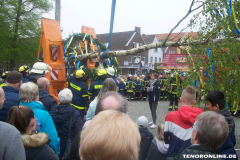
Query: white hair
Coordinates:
[65,96]
[28,92]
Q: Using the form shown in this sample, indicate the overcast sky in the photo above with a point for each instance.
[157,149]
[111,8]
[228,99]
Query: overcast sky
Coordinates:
[153,16]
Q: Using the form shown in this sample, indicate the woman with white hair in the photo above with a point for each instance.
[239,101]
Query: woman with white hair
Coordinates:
[64,115]
[29,96]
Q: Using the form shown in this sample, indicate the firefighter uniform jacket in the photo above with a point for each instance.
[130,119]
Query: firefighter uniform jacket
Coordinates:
[80,96]
[130,86]
[95,88]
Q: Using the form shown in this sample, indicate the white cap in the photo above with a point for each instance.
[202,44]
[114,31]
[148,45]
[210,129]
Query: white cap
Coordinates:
[142,121]
[40,68]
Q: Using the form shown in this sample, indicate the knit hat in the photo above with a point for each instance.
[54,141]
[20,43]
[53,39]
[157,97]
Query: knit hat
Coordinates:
[14,77]
[142,121]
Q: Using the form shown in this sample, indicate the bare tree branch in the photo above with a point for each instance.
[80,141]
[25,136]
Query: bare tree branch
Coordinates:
[189,12]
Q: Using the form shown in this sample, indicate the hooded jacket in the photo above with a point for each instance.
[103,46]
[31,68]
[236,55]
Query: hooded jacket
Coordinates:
[46,123]
[36,147]
[178,126]
[146,139]
[61,116]
[47,100]
[91,110]
[12,99]
[157,150]
[228,145]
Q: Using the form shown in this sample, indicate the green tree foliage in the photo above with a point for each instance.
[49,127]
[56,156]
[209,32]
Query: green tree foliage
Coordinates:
[20,29]
[223,64]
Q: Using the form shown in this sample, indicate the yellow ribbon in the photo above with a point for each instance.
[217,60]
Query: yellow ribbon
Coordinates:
[86,47]
[92,43]
[234,17]
[237,106]
[116,60]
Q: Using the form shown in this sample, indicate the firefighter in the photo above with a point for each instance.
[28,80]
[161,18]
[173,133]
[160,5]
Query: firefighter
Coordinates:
[130,88]
[111,74]
[162,90]
[173,93]
[4,78]
[144,86]
[80,92]
[96,86]
[25,72]
[138,87]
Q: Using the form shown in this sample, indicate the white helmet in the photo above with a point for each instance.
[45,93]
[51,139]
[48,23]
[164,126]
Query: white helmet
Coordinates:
[111,71]
[40,68]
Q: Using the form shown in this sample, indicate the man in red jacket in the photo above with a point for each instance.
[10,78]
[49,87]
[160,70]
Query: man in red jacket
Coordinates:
[178,124]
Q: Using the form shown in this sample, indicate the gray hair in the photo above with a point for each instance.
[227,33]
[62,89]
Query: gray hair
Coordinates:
[65,96]
[212,130]
[28,92]
[121,102]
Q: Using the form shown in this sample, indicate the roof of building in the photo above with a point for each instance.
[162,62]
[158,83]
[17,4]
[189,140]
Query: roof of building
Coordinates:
[181,35]
[148,38]
[119,39]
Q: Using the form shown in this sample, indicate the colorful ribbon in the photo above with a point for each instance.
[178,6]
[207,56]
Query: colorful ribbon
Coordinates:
[233,16]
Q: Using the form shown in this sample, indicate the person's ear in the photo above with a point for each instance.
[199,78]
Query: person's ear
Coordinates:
[216,107]
[180,99]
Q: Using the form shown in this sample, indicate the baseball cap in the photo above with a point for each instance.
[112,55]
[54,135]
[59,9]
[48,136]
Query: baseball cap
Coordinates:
[142,121]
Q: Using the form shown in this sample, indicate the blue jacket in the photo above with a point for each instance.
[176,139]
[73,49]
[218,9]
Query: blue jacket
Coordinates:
[146,140]
[47,125]
[138,86]
[25,79]
[121,86]
[48,102]
[228,145]
[79,90]
[61,116]
[12,99]
[95,88]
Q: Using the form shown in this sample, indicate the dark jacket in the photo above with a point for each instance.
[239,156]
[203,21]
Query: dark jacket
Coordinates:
[157,150]
[74,152]
[36,147]
[121,86]
[79,90]
[48,102]
[61,116]
[25,79]
[12,99]
[154,96]
[146,139]
[95,88]
[33,77]
[228,145]
[194,150]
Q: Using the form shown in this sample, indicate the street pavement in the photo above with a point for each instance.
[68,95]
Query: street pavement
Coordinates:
[141,108]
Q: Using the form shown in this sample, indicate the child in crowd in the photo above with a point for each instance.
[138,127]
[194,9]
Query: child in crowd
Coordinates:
[121,87]
[216,102]
[158,148]
[146,136]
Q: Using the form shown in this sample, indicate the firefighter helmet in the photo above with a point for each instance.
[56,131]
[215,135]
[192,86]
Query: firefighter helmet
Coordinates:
[79,74]
[111,71]
[4,74]
[24,69]
[40,68]
[102,72]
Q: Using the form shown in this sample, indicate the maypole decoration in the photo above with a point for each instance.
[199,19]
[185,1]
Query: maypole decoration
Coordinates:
[233,16]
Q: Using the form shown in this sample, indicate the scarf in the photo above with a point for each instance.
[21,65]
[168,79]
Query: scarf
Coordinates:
[152,82]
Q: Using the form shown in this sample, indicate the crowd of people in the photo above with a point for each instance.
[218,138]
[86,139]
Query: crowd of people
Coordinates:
[34,126]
